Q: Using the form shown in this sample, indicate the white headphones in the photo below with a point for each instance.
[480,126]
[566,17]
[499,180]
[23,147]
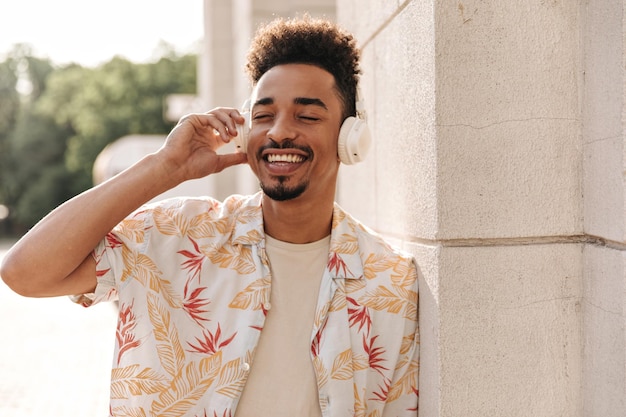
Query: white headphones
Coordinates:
[354,135]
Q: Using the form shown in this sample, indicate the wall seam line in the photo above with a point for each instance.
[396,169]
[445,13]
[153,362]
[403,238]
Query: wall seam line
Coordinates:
[386,23]
[585,239]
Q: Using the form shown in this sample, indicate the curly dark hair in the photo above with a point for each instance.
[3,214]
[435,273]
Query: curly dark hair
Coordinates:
[312,41]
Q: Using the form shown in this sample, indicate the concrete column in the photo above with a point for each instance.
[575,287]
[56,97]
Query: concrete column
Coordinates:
[498,161]
[604,289]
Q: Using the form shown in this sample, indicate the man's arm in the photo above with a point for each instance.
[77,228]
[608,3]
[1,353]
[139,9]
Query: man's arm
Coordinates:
[54,257]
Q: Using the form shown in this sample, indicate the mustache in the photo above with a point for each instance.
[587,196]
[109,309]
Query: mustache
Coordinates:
[285,144]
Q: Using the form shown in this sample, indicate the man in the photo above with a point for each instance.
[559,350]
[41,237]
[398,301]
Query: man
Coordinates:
[276,304]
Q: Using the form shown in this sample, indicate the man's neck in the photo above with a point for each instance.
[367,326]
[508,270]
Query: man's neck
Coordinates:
[297,221]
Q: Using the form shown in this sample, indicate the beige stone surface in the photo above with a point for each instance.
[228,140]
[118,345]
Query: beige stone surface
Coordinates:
[510,341]
[499,163]
[604,329]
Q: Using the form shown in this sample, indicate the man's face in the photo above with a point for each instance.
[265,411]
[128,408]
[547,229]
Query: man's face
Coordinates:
[296,116]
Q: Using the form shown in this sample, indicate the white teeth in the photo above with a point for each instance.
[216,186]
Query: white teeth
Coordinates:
[285,158]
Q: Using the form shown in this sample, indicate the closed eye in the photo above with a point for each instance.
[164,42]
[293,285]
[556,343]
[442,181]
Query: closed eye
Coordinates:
[261,116]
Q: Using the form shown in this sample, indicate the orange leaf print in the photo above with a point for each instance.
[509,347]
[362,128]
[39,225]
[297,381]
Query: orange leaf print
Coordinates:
[338,302]
[342,366]
[320,371]
[354,285]
[405,274]
[248,214]
[251,237]
[232,379]
[210,366]
[170,222]
[138,266]
[171,353]
[183,393]
[238,258]
[125,411]
[406,384]
[203,226]
[131,380]
[409,341]
[382,299]
[359,403]
[346,244]
[131,229]
[338,217]
[360,362]
[253,296]
[376,263]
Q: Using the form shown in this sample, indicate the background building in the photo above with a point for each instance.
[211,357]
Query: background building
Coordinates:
[498,161]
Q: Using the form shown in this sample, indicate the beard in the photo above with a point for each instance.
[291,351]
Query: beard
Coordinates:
[283,192]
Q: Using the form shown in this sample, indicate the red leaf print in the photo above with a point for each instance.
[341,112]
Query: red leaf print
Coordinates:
[113,241]
[101,272]
[417,394]
[337,264]
[383,393]
[317,340]
[194,261]
[124,334]
[211,342]
[359,315]
[193,305]
[374,354]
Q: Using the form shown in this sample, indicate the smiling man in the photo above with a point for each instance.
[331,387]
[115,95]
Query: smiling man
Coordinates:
[275,304]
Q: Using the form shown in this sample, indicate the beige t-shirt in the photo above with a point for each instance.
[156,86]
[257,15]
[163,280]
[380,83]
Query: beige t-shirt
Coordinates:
[282,378]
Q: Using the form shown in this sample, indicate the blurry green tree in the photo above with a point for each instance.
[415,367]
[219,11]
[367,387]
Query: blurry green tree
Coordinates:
[54,121]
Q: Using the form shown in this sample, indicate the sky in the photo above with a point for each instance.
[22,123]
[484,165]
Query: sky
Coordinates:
[92,32]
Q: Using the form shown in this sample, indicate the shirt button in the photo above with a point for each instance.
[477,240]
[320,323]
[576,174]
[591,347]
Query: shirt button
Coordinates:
[246,366]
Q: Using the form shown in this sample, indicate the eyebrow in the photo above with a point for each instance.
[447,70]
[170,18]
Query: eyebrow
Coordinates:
[303,101]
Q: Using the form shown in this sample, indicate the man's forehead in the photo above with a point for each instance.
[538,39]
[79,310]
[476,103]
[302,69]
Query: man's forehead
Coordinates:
[297,83]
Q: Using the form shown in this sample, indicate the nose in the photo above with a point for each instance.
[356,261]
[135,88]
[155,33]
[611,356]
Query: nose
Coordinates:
[282,128]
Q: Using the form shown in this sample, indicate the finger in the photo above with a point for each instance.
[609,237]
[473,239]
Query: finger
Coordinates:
[230,159]
[229,117]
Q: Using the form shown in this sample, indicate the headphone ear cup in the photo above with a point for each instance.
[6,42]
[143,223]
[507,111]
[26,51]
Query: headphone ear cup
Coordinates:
[243,133]
[354,140]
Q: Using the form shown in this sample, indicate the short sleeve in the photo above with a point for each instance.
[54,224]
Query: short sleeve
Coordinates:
[106,288]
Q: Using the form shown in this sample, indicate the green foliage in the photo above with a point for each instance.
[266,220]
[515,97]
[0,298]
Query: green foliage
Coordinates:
[54,121]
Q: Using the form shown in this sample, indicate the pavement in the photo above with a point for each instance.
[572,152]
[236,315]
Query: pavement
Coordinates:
[55,356]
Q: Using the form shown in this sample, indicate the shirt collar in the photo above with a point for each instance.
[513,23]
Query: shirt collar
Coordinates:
[344,258]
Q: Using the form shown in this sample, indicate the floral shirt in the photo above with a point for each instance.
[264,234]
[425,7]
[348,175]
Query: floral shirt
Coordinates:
[193,282]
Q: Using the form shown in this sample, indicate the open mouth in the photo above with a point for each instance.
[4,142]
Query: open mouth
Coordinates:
[284,161]
[286,158]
